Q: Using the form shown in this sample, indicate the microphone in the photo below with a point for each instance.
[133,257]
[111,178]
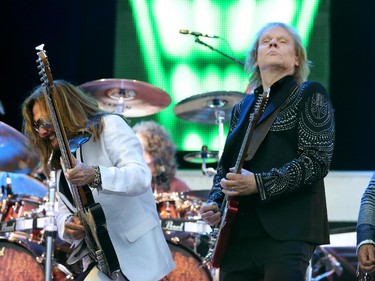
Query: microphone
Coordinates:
[185,31]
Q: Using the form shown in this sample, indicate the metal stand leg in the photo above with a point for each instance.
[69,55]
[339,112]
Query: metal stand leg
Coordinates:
[50,228]
[220,117]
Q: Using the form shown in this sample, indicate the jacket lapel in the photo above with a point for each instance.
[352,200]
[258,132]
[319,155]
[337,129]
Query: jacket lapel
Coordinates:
[278,99]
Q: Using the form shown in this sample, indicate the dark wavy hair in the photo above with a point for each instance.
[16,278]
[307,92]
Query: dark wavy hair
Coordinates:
[159,144]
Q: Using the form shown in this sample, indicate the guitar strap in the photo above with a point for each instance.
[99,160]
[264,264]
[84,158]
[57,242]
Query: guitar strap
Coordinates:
[259,134]
[261,131]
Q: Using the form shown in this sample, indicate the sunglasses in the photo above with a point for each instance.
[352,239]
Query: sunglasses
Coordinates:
[43,122]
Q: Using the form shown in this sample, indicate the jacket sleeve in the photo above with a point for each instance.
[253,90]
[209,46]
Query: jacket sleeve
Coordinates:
[366,217]
[122,167]
[216,195]
[315,132]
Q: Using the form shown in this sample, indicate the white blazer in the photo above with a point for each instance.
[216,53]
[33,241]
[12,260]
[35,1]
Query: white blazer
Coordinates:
[127,201]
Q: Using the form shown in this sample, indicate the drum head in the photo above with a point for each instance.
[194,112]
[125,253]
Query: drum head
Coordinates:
[19,263]
[187,265]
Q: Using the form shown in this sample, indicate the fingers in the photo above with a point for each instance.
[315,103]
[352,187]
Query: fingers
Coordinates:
[366,257]
[74,228]
[230,187]
[81,174]
[210,213]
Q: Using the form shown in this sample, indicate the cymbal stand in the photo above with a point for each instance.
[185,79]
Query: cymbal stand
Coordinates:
[220,117]
[50,229]
[120,105]
[240,63]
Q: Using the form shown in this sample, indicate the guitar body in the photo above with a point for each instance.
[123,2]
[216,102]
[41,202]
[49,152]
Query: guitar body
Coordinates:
[229,216]
[94,219]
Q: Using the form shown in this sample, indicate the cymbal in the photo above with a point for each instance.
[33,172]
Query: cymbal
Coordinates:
[131,98]
[24,184]
[15,155]
[203,108]
[200,157]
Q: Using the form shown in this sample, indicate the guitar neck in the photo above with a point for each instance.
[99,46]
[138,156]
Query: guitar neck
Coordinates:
[63,144]
[253,120]
[80,197]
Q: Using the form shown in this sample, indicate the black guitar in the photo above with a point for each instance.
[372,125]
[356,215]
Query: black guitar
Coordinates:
[91,214]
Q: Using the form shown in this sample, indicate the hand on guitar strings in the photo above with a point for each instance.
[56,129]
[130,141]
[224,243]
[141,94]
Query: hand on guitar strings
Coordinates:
[210,213]
[81,173]
[239,184]
[74,230]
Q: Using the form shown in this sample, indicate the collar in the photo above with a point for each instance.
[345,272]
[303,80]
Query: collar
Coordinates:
[275,86]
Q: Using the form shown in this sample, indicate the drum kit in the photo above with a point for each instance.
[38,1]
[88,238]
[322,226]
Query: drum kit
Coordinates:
[22,216]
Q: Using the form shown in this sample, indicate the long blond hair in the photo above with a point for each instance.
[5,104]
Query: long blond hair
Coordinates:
[301,72]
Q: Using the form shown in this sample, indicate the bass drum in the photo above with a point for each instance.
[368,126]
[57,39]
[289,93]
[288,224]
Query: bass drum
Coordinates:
[22,260]
[186,265]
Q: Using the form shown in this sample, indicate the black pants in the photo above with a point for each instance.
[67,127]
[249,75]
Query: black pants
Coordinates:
[256,259]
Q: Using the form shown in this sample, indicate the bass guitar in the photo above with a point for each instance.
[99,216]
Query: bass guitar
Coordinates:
[220,234]
[90,213]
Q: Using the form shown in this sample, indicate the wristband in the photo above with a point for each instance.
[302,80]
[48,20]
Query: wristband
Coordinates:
[97,183]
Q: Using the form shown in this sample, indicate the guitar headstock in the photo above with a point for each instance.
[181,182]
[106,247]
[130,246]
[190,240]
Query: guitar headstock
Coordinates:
[43,65]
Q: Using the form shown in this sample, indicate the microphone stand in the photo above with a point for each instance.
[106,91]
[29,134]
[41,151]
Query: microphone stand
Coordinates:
[240,63]
[51,227]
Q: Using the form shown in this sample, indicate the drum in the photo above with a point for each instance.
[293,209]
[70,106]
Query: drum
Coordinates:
[22,260]
[187,265]
[196,199]
[24,206]
[21,206]
[170,205]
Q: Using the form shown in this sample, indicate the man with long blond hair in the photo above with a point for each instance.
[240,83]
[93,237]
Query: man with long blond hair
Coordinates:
[282,214]
[108,160]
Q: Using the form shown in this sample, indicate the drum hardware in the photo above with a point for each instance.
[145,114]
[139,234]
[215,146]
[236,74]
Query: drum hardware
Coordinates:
[185,225]
[16,155]
[209,108]
[50,230]
[197,157]
[174,205]
[323,265]
[131,98]
[204,158]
